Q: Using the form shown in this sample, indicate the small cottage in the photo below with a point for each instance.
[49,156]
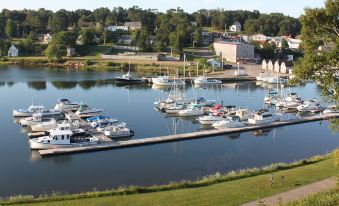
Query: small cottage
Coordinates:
[13,51]
[214,63]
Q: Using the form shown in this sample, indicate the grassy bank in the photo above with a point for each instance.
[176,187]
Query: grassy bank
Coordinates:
[230,189]
[93,63]
[330,198]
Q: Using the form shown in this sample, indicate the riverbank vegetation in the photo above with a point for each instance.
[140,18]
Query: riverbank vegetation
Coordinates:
[232,188]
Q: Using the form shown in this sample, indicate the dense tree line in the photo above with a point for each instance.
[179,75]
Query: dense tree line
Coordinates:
[172,28]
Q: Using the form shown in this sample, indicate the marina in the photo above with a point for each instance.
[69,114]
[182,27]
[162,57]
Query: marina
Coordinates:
[180,137]
[147,163]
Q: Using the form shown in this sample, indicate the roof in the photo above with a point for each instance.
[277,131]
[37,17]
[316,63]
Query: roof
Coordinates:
[133,24]
[230,43]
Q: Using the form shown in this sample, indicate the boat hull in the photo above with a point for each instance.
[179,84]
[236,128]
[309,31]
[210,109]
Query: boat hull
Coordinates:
[34,145]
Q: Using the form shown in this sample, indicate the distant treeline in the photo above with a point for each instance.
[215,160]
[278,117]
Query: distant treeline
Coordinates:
[172,28]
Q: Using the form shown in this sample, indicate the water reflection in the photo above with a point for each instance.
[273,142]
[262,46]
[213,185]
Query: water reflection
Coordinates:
[64,84]
[261,132]
[37,85]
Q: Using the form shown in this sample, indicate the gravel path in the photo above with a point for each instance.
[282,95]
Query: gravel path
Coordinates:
[297,194]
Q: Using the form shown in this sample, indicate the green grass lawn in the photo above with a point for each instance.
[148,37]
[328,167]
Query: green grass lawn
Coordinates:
[226,193]
[97,50]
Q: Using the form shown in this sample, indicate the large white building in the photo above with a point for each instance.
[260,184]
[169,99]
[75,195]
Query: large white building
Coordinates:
[234,51]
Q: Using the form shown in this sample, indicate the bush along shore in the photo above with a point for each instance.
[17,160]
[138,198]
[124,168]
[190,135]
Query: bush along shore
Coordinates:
[205,181]
[104,65]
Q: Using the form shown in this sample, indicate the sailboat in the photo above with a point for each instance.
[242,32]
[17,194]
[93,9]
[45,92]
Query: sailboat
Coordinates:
[128,79]
[203,80]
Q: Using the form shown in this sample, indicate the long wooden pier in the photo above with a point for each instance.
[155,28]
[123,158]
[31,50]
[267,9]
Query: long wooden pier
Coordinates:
[180,137]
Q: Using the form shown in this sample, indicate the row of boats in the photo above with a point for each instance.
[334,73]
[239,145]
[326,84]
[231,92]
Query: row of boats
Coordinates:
[222,117]
[271,78]
[165,80]
[55,128]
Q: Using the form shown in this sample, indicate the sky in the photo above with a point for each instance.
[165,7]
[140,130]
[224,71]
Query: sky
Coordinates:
[289,7]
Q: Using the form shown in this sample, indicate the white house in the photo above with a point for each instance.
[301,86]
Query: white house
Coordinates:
[115,28]
[259,38]
[293,43]
[45,38]
[13,51]
[214,63]
[236,27]
[133,25]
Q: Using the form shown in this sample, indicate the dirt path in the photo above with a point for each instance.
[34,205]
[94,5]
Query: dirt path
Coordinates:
[298,193]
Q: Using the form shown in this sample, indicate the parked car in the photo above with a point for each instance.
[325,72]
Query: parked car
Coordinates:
[228,66]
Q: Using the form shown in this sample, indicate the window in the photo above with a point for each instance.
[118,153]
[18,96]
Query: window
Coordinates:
[62,137]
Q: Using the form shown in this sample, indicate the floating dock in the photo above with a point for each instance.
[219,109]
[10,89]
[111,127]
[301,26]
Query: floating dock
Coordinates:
[107,145]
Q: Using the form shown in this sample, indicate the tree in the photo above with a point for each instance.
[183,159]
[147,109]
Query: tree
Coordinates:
[87,36]
[143,40]
[27,47]
[251,26]
[284,44]
[58,21]
[320,28]
[57,48]
[56,51]
[198,36]
[10,28]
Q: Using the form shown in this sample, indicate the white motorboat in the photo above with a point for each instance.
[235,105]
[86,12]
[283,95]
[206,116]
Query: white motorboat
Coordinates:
[60,138]
[85,111]
[205,81]
[128,79]
[210,119]
[229,122]
[165,81]
[261,76]
[46,126]
[37,118]
[334,109]
[263,117]
[174,109]
[309,106]
[276,80]
[190,112]
[118,131]
[66,104]
[243,114]
[35,109]
[292,101]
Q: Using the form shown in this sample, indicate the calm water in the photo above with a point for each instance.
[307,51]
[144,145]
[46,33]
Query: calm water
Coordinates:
[24,172]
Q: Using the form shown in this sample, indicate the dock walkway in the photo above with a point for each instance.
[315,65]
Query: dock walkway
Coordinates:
[106,145]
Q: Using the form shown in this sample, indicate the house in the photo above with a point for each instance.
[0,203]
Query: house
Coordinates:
[80,42]
[214,63]
[45,38]
[260,38]
[115,28]
[292,43]
[13,51]
[234,51]
[125,40]
[71,52]
[207,38]
[133,25]
[236,27]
